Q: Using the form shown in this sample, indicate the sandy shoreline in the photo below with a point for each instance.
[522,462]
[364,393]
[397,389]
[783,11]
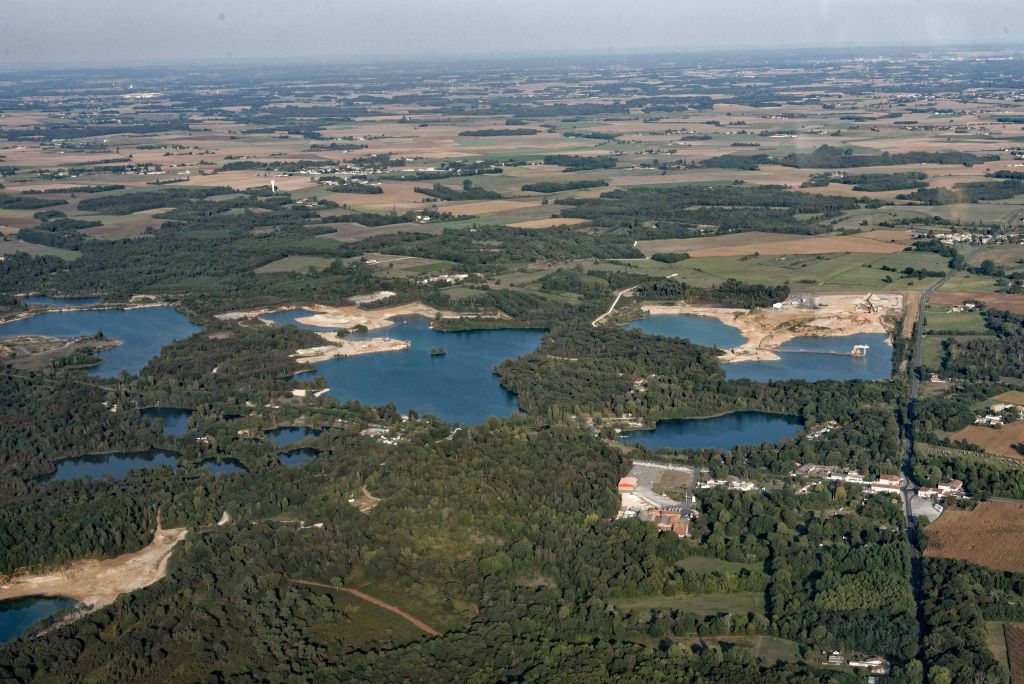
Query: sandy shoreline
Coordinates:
[346,318]
[97,583]
[96,307]
[340,347]
[766,329]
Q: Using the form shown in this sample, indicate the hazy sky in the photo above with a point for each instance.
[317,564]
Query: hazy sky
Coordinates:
[134,31]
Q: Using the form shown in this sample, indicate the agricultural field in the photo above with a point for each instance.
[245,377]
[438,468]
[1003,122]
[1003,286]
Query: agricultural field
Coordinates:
[989,535]
[871,242]
[295,264]
[1014,633]
[1001,440]
[813,273]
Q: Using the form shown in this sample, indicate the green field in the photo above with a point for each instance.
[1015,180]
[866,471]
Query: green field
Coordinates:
[13,246]
[968,282]
[739,603]
[940,320]
[996,641]
[805,272]
[933,347]
[295,264]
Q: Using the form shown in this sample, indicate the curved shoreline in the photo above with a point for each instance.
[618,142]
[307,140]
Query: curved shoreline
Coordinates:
[766,329]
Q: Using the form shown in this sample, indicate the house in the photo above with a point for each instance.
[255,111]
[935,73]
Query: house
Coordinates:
[887,483]
[951,488]
[627,484]
[669,520]
[835,658]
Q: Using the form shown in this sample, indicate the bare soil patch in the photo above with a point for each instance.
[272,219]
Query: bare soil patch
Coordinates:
[365,502]
[483,207]
[997,441]
[989,535]
[1014,632]
[766,329]
[874,242]
[97,583]
[548,223]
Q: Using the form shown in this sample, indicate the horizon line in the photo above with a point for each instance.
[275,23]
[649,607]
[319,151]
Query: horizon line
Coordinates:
[605,53]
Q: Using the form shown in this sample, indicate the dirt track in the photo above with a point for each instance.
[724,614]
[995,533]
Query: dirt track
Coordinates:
[375,601]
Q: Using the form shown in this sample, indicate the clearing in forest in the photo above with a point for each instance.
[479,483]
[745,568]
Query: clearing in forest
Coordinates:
[97,583]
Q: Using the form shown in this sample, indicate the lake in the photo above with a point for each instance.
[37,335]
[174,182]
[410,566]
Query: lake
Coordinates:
[143,333]
[175,420]
[43,300]
[802,358]
[296,457]
[820,358]
[459,386]
[227,466]
[113,465]
[719,432]
[704,330]
[17,616]
[284,436]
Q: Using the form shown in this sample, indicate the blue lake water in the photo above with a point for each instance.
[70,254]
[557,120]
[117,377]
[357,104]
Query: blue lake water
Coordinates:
[458,387]
[43,300]
[19,615]
[297,457]
[285,436]
[143,333]
[703,330]
[175,420]
[719,432]
[820,358]
[227,466]
[113,465]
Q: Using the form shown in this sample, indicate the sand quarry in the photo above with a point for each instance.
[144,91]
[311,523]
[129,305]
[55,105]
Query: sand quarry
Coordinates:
[347,318]
[97,583]
[800,316]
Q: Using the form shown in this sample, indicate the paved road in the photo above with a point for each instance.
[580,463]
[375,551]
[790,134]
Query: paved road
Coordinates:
[910,486]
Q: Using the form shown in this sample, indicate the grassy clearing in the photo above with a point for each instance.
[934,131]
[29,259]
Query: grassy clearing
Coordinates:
[704,564]
[808,272]
[13,246]
[995,639]
[700,604]
[769,649]
[940,320]
[968,282]
[295,264]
